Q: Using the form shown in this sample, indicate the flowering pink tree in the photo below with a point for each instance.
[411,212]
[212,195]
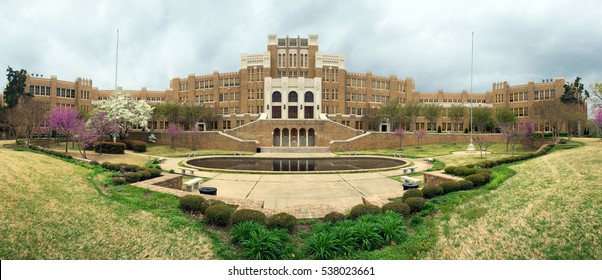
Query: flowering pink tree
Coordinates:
[173,131]
[420,135]
[399,133]
[65,121]
[100,125]
[85,139]
[526,132]
[598,118]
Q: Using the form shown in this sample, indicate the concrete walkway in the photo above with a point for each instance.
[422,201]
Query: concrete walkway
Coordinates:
[279,191]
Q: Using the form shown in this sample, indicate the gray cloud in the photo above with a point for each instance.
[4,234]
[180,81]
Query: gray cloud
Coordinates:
[516,41]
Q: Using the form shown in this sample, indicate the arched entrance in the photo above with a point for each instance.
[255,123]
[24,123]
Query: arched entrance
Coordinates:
[302,137]
[276,137]
[285,138]
[311,137]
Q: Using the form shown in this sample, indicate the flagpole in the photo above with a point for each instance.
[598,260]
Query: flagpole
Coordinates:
[116,58]
[471,148]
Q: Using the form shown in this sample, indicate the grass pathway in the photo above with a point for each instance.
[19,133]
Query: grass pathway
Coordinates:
[551,209]
[49,210]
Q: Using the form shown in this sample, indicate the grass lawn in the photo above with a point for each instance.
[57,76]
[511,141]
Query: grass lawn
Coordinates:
[166,151]
[136,159]
[433,150]
[51,209]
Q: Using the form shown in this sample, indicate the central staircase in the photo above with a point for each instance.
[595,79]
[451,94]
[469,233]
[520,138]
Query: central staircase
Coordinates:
[294,150]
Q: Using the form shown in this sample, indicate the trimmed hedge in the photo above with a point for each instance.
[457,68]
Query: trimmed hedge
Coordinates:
[486,174]
[119,181]
[191,203]
[450,170]
[208,203]
[466,185]
[477,180]
[416,203]
[465,171]
[432,191]
[400,208]
[218,215]
[412,193]
[451,186]
[135,145]
[363,209]
[110,147]
[248,215]
[333,217]
[282,220]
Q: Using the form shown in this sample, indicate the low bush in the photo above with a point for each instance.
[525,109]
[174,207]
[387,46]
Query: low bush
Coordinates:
[391,228]
[208,203]
[333,217]
[132,177]
[242,215]
[95,163]
[109,147]
[105,165]
[450,170]
[268,245]
[477,180]
[283,221]
[486,175]
[412,193]
[400,208]
[363,209]
[191,203]
[450,186]
[367,237]
[323,246]
[153,171]
[135,145]
[416,203]
[118,181]
[241,231]
[432,191]
[470,165]
[218,215]
[465,171]
[465,185]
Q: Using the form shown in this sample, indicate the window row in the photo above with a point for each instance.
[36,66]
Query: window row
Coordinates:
[39,90]
[230,110]
[330,75]
[293,74]
[380,99]
[545,94]
[294,60]
[204,84]
[381,85]
[255,74]
[65,92]
[518,96]
[292,42]
[229,82]
[355,82]
[355,111]
[183,86]
[203,98]
[232,96]
[293,97]
[251,94]
[356,97]
[255,109]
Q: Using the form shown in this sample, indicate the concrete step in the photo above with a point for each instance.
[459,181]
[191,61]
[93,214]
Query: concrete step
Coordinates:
[295,150]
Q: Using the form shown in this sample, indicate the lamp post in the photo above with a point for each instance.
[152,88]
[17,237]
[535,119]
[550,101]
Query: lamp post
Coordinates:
[471,148]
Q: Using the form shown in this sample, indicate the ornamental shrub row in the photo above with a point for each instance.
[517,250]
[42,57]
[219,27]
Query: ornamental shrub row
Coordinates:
[134,145]
[109,147]
[51,152]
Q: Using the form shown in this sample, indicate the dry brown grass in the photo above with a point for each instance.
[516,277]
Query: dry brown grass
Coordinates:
[551,209]
[49,210]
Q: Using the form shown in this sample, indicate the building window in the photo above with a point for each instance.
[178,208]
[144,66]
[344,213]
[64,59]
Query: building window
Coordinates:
[276,112]
[281,42]
[276,97]
[309,97]
[292,96]
[293,112]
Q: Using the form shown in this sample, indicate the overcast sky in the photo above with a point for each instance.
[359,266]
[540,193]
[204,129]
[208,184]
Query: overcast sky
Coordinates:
[430,41]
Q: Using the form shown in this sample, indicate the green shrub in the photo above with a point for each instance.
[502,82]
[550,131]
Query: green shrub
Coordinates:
[412,193]
[218,215]
[241,231]
[416,221]
[283,221]
[131,167]
[267,245]
[109,147]
[432,191]
[95,163]
[416,203]
[105,165]
[465,171]
[477,180]
[333,217]
[465,185]
[400,208]
[391,228]
[153,171]
[248,215]
[144,175]
[323,246]
[191,203]
[344,232]
[119,181]
[450,170]
[208,203]
[363,209]
[135,145]
[450,186]
[470,165]
[486,175]
[171,171]
[131,177]
[367,236]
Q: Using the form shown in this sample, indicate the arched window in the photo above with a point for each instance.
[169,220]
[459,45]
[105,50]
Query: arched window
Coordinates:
[309,96]
[292,96]
[276,96]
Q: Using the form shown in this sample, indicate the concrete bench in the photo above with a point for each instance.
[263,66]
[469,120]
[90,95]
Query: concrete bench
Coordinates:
[161,159]
[352,154]
[409,169]
[397,155]
[184,169]
[191,155]
[429,160]
[409,179]
[192,184]
[238,154]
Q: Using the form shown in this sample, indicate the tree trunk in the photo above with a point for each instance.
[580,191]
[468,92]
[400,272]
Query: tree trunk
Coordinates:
[67,144]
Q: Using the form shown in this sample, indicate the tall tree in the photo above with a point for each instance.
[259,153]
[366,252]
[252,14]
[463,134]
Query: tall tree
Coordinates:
[65,121]
[598,118]
[399,133]
[526,132]
[482,118]
[170,111]
[504,117]
[548,112]
[457,113]
[192,114]
[173,132]
[420,135]
[210,116]
[391,112]
[432,112]
[372,118]
[15,89]
[411,111]
[574,92]
[99,126]
[596,89]
[26,118]
[127,111]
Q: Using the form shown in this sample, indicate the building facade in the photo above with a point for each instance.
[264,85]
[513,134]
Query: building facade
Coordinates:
[293,80]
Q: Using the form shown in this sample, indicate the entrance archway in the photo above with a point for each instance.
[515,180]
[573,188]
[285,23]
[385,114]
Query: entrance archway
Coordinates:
[285,138]
[311,135]
[276,137]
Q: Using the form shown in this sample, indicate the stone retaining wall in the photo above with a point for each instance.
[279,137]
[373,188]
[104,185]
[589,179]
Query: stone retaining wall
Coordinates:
[437,177]
[209,140]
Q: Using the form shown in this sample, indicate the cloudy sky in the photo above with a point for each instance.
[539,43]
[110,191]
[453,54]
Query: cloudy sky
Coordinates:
[430,41]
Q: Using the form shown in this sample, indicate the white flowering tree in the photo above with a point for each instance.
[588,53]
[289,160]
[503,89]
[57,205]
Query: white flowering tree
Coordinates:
[127,111]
